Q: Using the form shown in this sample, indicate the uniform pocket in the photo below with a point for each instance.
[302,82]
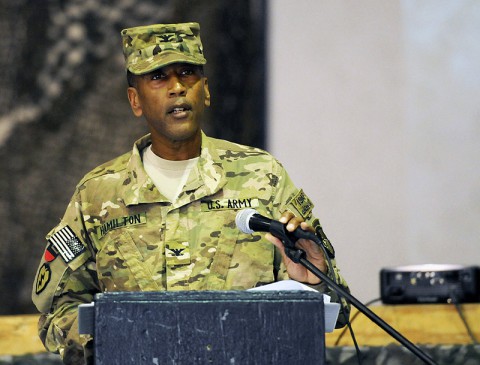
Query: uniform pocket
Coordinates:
[222,259]
[120,265]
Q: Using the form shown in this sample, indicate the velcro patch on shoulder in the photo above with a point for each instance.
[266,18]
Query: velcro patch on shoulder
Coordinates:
[302,204]
[67,244]
[44,276]
[46,282]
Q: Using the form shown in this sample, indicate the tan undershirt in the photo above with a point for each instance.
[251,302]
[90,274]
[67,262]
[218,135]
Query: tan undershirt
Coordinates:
[168,176]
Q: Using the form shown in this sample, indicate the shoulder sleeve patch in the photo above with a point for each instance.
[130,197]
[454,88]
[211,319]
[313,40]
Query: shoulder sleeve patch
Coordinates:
[302,204]
[46,282]
[63,254]
[43,278]
[67,244]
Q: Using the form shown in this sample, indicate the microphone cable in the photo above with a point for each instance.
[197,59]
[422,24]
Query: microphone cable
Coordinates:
[456,303]
[416,351]
[333,276]
[344,330]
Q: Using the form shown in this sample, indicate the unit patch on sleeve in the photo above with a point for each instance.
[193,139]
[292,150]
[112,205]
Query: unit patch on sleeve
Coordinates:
[302,204]
[43,277]
[67,244]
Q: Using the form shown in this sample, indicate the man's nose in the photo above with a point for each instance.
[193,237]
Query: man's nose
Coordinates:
[176,87]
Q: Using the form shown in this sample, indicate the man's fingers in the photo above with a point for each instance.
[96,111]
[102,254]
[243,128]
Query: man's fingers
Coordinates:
[290,220]
[294,223]
[286,216]
[306,227]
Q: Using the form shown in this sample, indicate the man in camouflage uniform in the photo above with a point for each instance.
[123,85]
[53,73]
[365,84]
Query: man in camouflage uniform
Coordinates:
[132,227]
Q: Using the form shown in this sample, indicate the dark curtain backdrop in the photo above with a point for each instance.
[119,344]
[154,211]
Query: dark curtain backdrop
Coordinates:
[63,105]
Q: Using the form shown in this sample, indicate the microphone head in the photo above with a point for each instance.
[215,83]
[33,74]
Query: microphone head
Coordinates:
[242,220]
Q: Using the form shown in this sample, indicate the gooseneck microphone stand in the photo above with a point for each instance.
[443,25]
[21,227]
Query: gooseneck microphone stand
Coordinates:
[299,256]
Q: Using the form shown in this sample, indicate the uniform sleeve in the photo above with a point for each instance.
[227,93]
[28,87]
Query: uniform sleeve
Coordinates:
[66,277]
[289,198]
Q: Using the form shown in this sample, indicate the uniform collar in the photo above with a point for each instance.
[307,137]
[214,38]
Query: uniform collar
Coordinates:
[206,178]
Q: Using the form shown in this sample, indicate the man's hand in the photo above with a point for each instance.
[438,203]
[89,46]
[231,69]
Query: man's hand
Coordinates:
[314,253]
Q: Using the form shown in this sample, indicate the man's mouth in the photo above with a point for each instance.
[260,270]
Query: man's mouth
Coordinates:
[177,110]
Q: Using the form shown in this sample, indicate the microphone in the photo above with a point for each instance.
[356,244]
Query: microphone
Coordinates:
[250,221]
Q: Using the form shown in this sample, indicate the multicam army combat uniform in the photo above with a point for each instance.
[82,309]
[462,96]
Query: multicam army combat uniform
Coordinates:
[120,234]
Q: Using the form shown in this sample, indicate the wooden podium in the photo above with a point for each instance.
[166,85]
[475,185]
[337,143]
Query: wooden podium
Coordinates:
[206,327]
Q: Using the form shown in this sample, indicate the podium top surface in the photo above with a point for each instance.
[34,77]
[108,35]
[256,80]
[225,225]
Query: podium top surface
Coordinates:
[217,296]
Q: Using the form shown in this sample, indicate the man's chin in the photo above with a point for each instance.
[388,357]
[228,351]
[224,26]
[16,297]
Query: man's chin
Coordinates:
[183,133]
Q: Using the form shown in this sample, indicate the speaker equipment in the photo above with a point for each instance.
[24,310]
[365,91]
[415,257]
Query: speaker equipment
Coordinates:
[430,284]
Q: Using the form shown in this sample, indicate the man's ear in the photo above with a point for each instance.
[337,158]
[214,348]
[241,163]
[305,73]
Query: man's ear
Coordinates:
[207,92]
[134,101]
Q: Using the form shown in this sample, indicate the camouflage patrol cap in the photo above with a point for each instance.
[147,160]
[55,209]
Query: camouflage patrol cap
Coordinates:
[149,47]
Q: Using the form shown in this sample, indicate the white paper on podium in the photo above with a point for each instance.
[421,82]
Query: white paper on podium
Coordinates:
[331,309]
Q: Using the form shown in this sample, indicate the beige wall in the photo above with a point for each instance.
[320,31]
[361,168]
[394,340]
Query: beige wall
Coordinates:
[374,110]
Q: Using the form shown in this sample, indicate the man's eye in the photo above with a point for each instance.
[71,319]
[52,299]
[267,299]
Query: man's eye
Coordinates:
[187,72]
[158,76]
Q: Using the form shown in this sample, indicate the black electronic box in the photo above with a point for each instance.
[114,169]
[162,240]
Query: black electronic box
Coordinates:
[430,284]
